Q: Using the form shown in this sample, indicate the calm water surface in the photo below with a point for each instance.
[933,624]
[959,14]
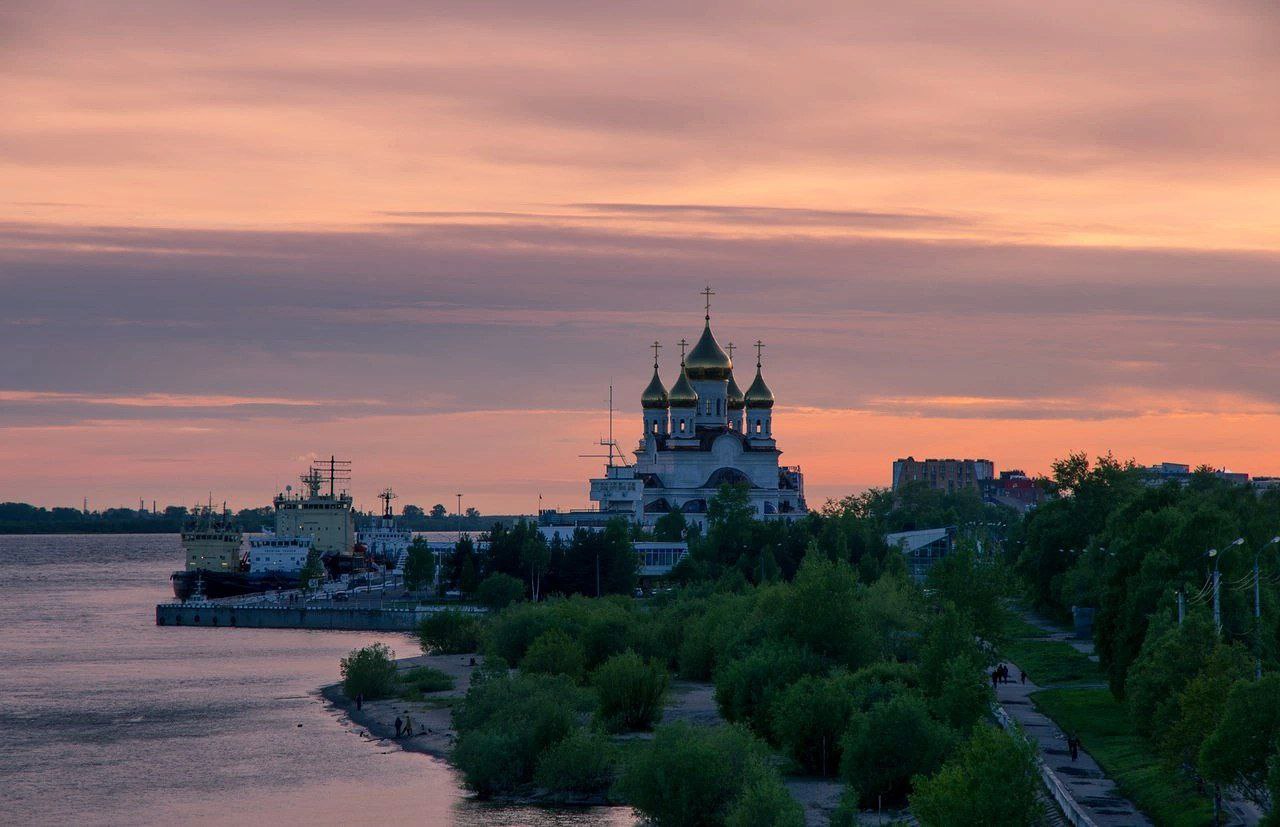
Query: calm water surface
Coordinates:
[106,718]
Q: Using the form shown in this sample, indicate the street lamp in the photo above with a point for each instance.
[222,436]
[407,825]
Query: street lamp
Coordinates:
[1214,555]
[1257,608]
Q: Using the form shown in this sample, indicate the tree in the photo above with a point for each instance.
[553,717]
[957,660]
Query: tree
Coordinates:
[473,512]
[992,780]
[670,527]
[763,800]
[746,687]
[889,744]
[1238,752]
[1171,656]
[555,653]
[809,717]
[498,591]
[583,764]
[449,633]
[630,692]
[311,570]
[419,565]
[370,671]
[972,587]
[729,526]
[1197,709]
[690,776]
[534,556]
[823,611]
[412,512]
[438,511]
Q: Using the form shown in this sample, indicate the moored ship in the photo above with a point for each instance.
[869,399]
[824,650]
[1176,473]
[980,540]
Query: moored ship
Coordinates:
[317,524]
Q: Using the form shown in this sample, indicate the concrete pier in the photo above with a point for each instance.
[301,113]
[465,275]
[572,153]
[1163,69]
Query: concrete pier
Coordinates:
[260,616]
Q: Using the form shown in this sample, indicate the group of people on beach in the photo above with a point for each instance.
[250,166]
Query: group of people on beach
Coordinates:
[1001,675]
[404,728]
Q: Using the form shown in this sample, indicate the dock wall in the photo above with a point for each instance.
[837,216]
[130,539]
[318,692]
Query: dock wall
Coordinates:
[287,617]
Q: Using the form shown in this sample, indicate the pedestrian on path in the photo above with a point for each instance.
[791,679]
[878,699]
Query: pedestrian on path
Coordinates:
[359,701]
[399,726]
[995,679]
[1022,676]
[408,726]
[1073,744]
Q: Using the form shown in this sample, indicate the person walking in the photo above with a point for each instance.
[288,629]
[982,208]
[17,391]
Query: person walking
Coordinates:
[1073,744]
[995,679]
[408,726]
[399,726]
[1022,676]
[359,701]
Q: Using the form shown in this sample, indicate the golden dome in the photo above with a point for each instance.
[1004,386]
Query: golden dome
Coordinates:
[682,393]
[735,397]
[759,395]
[708,360]
[654,396]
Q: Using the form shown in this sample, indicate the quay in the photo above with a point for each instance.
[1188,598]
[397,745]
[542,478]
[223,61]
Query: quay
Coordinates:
[362,609]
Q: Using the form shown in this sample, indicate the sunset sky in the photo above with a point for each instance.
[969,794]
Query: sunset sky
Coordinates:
[427,236]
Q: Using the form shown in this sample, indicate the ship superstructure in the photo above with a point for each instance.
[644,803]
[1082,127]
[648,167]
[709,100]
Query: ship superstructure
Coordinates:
[384,541]
[324,516]
[212,540]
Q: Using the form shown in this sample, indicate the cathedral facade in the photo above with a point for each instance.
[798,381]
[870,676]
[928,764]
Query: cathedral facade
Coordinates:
[701,433]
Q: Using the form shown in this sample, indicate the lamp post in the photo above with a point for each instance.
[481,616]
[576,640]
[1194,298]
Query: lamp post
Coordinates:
[1257,608]
[459,513]
[1214,554]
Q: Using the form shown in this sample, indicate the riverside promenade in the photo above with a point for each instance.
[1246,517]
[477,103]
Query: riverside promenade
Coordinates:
[1094,793]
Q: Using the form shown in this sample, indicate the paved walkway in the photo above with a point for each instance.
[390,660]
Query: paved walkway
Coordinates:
[1089,785]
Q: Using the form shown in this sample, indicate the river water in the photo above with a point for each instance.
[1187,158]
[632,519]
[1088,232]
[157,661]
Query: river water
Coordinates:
[106,718]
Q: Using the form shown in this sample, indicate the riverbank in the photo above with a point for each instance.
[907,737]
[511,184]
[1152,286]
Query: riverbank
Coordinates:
[433,734]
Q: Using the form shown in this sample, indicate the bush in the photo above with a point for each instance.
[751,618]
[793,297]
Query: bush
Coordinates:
[1248,735]
[555,653]
[993,779]
[370,671]
[746,687]
[823,610]
[506,723]
[884,747]
[810,716]
[584,763]
[498,591]
[422,679]
[763,801]
[449,633]
[630,692]
[419,565]
[689,776]
[511,633]
[964,697]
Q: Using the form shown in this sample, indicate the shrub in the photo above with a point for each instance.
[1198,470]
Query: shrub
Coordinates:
[964,697]
[506,723]
[688,776]
[810,716]
[370,671]
[630,692]
[762,800]
[1170,656]
[449,633]
[823,610]
[992,779]
[422,679]
[511,633]
[585,763]
[884,747]
[746,687]
[1248,735]
[555,653]
[498,591]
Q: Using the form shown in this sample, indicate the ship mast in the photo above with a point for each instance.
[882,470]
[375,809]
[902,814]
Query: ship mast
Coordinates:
[387,496]
[610,443]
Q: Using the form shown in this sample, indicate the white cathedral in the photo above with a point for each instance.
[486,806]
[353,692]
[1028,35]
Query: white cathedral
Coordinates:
[702,433]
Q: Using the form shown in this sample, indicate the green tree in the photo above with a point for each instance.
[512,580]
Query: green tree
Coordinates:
[1197,708]
[584,763]
[747,687]
[972,586]
[555,653]
[630,692]
[438,511]
[810,716]
[1238,752]
[311,571]
[763,800]
[889,744]
[498,591]
[449,633]
[992,780]
[370,671]
[1171,655]
[419,565]
[670,527]
[823,611]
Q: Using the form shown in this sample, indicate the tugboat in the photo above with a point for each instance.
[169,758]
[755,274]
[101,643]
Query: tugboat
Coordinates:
[323,523]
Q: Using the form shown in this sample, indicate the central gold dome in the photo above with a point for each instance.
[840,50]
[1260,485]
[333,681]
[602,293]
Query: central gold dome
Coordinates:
[708,360]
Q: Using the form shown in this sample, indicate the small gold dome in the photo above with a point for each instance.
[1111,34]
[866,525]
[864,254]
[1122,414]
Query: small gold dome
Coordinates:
[759,395]
[735,398]
[654,396]
[708,360]
[682,394]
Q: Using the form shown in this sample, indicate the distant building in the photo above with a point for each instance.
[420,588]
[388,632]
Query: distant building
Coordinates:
[922,549]
[948,475]
[1013,489]
[1181,473]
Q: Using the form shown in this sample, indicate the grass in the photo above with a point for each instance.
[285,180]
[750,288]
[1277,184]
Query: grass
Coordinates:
[1013,627]
[1049,662]
[414,682]
[1105,728]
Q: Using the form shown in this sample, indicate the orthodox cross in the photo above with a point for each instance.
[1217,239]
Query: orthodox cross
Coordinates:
[759,347]
[729,347]
[708,293]
[655,347]
[684,343]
